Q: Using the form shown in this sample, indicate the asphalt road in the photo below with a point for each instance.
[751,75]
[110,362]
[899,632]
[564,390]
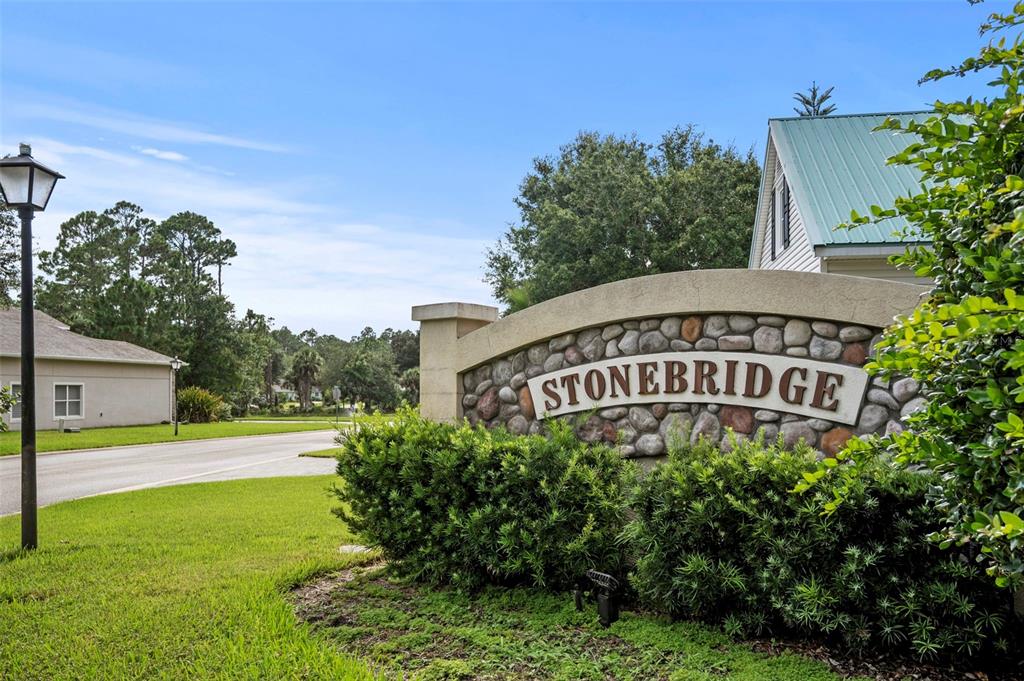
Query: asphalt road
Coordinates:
[71,475]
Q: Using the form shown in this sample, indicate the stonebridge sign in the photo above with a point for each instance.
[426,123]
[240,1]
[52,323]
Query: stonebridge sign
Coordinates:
[756,381]
[688,354]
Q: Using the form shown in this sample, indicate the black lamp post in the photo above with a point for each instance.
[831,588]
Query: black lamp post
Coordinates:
[175,365]
[26,184]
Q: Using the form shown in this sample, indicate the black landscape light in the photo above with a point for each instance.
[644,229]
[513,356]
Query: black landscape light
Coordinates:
[606,590]
[26,184]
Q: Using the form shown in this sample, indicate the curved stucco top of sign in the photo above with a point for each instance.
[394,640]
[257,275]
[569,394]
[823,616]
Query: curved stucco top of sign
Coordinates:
[854,300]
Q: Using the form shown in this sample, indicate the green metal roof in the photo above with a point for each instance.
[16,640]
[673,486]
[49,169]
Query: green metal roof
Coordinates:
[835,164]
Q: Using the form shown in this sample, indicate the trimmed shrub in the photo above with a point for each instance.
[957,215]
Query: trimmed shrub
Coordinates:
[198,405]
[720,537]
[225,412]
[468,506]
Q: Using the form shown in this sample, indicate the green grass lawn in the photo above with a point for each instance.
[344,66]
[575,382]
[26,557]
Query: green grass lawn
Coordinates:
[289,417]
[178,582]
[193,581]
[286,418]
[52,441]
[329,453]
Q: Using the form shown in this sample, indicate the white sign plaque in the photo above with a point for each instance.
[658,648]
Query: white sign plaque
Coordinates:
[794,385]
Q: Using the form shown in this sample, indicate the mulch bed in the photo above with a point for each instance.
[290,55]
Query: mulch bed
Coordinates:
[314,603]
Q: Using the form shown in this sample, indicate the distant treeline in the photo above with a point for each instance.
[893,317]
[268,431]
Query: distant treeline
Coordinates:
[123,276]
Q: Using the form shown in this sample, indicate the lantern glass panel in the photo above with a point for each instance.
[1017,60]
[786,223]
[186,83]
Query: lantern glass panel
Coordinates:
[42,187]
[14,183]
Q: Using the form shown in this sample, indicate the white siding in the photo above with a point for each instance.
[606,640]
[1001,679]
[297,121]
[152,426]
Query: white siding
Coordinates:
[799,256]
[874,267]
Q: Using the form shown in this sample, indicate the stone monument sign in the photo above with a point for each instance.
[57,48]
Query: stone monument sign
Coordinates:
[711,353]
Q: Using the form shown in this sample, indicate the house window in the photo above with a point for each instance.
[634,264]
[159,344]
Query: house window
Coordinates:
[771,225]
[16,407]
[785,215]
[67,400]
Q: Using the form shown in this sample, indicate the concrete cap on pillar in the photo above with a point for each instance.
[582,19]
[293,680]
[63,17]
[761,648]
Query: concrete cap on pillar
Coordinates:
[483,313]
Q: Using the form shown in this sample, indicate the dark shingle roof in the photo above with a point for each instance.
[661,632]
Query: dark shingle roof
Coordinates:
[55,340]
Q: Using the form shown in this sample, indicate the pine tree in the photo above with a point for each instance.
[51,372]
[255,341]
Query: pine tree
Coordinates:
[813,102]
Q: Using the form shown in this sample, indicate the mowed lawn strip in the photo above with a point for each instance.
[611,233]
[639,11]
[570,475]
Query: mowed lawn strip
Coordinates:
[329,453]
[175,582]
[285,419]
[91,438]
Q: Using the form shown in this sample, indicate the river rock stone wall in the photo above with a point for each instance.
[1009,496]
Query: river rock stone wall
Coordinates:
[495,393]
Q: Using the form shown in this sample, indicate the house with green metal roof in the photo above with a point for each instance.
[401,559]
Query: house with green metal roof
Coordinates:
[816,170]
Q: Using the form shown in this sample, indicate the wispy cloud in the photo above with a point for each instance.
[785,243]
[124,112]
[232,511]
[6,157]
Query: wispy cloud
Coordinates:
[161,154]
[343,277]
[97,175]
[298,262]
[34,107]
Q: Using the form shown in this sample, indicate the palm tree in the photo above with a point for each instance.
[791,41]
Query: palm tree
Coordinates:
[813,102]
[306,365]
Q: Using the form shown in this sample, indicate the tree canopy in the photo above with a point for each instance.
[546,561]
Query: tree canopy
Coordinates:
[10,258]
[121,275]
[608,208]
[305,374]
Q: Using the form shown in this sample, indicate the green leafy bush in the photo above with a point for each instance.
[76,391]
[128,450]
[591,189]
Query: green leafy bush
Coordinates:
[225,412]
[965,342]
[468,506]
[6,404]
[198,405]
[720,537]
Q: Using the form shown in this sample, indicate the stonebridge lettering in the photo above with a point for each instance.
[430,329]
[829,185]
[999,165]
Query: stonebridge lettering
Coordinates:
[788,384]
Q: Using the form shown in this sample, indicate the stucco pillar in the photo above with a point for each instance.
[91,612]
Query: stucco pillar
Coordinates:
[441,326]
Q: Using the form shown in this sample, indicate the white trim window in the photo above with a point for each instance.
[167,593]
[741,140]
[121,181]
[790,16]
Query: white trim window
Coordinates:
[68,400]
[16,407]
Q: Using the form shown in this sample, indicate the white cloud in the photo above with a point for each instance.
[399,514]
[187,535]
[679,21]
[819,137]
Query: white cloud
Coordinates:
[31,106]
[340,279]
[161,154]
[100,175]
[298,262]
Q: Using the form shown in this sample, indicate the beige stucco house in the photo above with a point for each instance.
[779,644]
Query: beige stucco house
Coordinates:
[816,170]
[87,382]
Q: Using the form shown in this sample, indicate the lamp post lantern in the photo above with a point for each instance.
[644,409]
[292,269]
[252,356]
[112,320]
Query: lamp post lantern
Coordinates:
[175,365]
[26,184]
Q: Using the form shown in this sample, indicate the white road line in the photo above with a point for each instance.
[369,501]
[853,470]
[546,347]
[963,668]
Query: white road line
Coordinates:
[168,481]
[201,440]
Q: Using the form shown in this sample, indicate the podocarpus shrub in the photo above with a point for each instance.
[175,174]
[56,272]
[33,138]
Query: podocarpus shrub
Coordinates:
[720,537]
[197,405]
[468,506]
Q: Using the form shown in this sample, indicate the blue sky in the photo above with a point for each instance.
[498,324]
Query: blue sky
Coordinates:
[363,156]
